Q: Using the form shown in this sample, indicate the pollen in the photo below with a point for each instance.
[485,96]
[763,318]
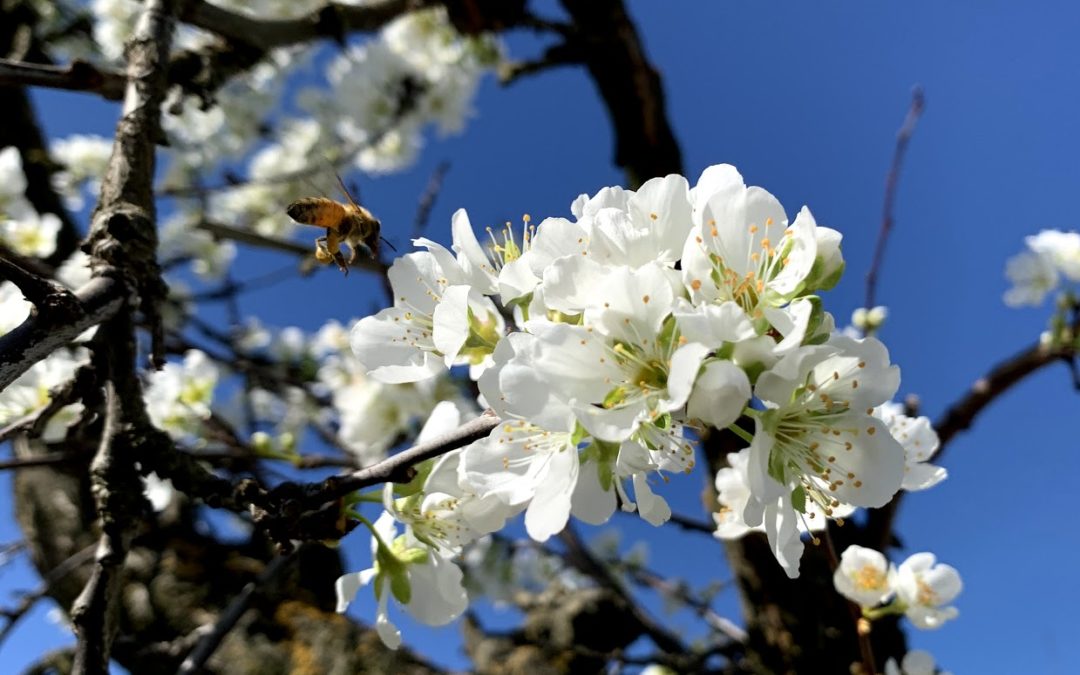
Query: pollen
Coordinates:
[696,284]
[868,578]
[653,216]
[871,430]
[645,299]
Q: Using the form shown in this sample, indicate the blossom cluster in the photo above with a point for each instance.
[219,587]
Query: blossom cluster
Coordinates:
[920,588]
[1050,256]
[607,342]
[329,390]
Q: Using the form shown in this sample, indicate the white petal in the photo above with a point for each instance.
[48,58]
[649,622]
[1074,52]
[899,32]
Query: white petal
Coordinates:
[346,587]
[662,205]
[471,256]
[393,350]
[713,324]
[451,321]
[683,371]
[550,508]
[652,507]
[591,503]
[720,394]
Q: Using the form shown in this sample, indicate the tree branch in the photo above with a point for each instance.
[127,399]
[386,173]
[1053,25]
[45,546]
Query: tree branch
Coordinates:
[961,415]
[77,76]
[45,331]
[645,144]
[248,39]
[580,556]
[123,243]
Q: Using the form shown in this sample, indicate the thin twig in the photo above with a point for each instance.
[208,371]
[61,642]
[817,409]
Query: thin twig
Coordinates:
[56,574]
[903,136]
[427,199]
[209,642]
[581,557]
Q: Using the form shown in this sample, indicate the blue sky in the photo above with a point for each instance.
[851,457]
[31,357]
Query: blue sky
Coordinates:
[805,99]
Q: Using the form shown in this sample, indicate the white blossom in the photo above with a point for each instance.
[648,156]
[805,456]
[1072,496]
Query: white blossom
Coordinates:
[178,396]
[864,576]
[926,589]
[920,442]
[31,392]
[31,234]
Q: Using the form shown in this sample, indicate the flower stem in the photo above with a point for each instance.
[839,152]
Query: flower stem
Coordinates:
[740,432]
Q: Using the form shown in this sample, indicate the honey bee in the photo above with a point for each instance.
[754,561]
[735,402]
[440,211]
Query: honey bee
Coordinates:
[346,224]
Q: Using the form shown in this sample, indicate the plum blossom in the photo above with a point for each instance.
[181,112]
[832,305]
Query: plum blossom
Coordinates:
[864,576]
[915,662]
[178,396]
[926,589]
[437,321]
[920,442]
[426,585]
[32,392]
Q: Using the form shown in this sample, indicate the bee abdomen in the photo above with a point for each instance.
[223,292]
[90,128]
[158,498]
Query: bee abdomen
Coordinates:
[318,211]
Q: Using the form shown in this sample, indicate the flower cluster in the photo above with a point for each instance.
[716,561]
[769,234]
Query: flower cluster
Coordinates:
[23,229]
[919,588]
[1038,270]
[603,341]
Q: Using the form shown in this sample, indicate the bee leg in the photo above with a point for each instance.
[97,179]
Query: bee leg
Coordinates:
[322,252]
[340,260]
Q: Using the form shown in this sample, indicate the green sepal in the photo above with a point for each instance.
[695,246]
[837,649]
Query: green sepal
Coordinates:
[400,586]
[798,499]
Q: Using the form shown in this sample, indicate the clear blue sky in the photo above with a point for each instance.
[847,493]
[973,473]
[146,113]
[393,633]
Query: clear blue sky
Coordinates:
[805,99]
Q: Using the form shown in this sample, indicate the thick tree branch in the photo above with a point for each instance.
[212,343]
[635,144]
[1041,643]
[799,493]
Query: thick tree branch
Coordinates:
[123,241]
[645,144]
[77,76]
[331,21]
[55,325]
[248,39]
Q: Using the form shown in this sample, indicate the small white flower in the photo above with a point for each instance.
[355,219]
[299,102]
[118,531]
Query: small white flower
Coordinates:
[1061,248]
[30,393]
[437,321]
[426,585]
[920,442]
[926,589]
[915,662]
[1032,275]
[864,576]
[178,396]
[31,234]
[159,492]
